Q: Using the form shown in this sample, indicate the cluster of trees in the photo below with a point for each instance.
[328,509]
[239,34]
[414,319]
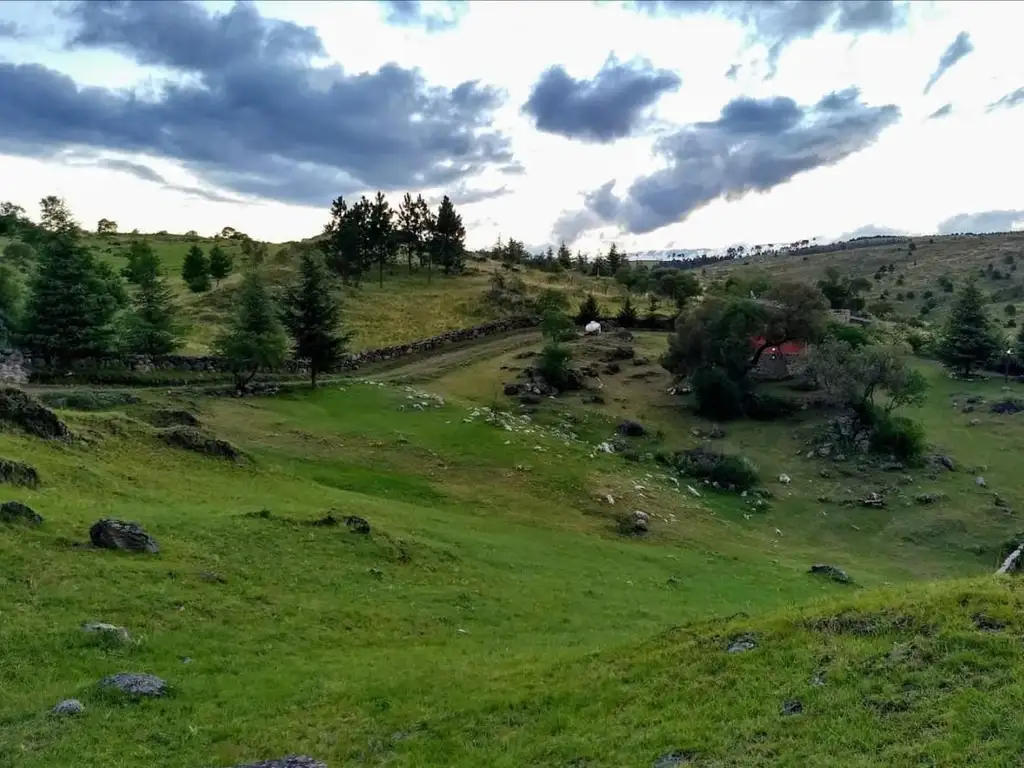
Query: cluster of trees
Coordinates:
[370,233]
[198,269]
[65,306]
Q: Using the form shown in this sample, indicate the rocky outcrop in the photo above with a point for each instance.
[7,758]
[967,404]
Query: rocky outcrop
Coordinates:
[292,761]
[126,536]
[136,684]
[18,513]
[28,414]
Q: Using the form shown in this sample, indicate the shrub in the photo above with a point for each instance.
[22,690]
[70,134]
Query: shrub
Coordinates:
[736,472]
[589,310]
[553,365]
[718,396]
[911,295]
[764,407]
[854,335]
[898,436]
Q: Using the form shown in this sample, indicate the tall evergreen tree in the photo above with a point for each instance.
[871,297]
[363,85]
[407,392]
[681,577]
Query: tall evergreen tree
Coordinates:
[381,233]
[564,256]
[345,237]
[589,310]
[152,327]
[449,237]
[614,260]
[255,339]
[221,263]
[143,263]
[70,310]
[969,338]
[410,227]
[313,316]
[195,270]
[426,220]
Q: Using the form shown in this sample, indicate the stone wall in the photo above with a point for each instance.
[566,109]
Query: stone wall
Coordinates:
[15,369]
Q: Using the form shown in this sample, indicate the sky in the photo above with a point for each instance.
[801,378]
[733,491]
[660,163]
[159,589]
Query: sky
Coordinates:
[653,124]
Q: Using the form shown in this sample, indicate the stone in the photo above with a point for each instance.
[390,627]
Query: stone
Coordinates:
[785,479]
[357,524]
[511,390]
[716,432]
[948,463]
[630,428]
[292,761]
[109,630]
[68,707]
[136,684]
[16,512]
[874,500]
[212,577]
[792,707]
[974,422]
[830,572]
[928,498]
[673,759]
[18,473]
[741,644]
[122,535]
[641,521]
[980,481]
[24,411]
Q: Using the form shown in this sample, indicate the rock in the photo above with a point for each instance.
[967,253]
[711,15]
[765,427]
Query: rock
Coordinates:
[119,534]
[673,759]
[606,447]
[357,524]
[928,498]
[980,482]
[631,428]
[136,684]
[1000,502]
[792,707]
[528,398]
[18,473]
[174,417]
[974,422]
[212,577]
[611,369]
[68,707]
[947,462]
[292,761]
[641,521]
[874,500]
[716,433]
[741,644]
[618,353]
[108,630]
[785,479]
[825,474]
[830,572]
[1009,407]
[511,390]
[638,361]
[987,624]
[191,439]
[906,480]
[16,512]
[24,411]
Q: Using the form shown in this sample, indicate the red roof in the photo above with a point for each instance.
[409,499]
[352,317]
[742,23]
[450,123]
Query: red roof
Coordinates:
[787,348]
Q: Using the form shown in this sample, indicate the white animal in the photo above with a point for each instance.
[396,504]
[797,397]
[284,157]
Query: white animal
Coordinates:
[592,327]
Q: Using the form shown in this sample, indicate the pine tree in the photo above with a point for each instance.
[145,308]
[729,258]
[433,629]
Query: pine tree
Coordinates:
[195,270]
[70,310]
[564,256]
[448,237]
[345,239]
[969,338]
[589,310]
[221,263]
[312,315]
[255,338]
[152,327]
[614,260]
[410,228]
[381,234]
[628,315]
[143,263]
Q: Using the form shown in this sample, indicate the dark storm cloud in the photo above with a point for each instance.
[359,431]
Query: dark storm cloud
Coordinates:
[1010,100]
[10,30]
[777,23]
[944,111]
[754,146]
[438,17]
[960,47]
[983,221]
[140,171]
[610,106]
[599,206]
[254,115]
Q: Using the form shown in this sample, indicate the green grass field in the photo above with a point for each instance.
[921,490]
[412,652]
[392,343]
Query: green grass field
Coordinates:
[494,616]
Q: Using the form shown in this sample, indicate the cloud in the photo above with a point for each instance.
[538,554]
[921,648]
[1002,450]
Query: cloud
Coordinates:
[777,23]
[1009,101]
[10,30]
[754,146]
[871,230]
[960,47]
[733,72]
[612,105]
[253,115]
[463,194]
[944,111]
[598,206]
[439,17]
[983,221]
[143,172]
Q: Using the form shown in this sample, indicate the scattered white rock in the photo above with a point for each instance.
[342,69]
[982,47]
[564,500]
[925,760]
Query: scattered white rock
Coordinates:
[110,630]
[693,490]
[784,479]
[980,481]
[609,498]
[68,707]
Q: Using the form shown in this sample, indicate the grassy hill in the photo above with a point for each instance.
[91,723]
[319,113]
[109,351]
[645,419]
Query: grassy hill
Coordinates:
[494,615]
[916,274]
[404,309]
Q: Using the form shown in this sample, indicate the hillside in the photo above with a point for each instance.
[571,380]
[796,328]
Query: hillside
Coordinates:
[406,308]
[909,278]
[493,614]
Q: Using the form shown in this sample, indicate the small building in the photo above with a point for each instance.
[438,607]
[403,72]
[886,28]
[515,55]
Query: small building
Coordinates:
[779,362]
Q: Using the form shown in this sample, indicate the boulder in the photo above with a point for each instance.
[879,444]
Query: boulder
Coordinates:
[136,684]
[792,707]
[928,498]
[511,390]
[630,428]
[292,761]
[741,644]
[68,707]
[16,512]
[874,500]
[830,572]
[119,534]
[618,353]
[27,413]
[947,462]
[18,473]
[641,521]
[107,630]
[357,524]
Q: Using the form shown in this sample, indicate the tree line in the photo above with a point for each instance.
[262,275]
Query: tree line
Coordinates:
[63,305]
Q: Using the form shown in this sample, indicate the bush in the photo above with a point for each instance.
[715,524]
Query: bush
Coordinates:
[718,396]
[553,365]
[765,407]
[854,335]
[735,472]
[897,435]
[589,310]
